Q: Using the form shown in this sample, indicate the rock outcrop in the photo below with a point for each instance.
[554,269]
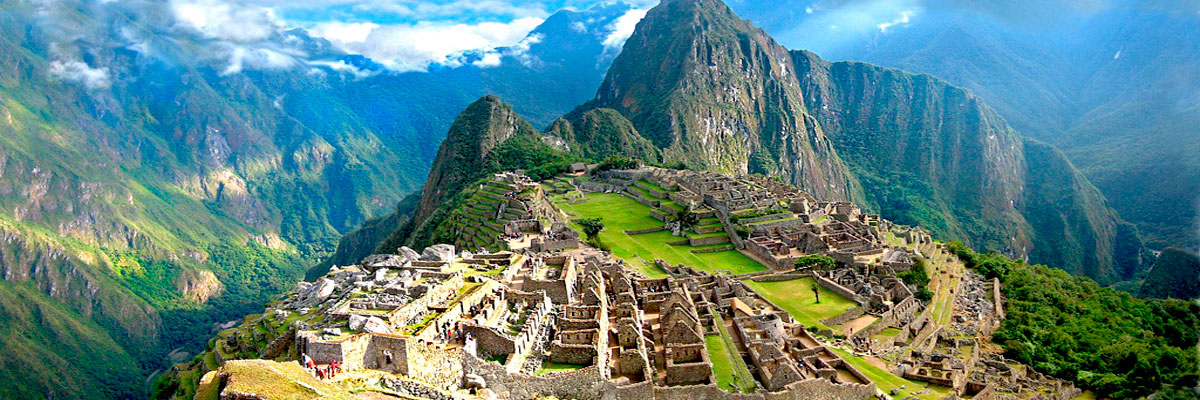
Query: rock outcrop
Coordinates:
[713,91]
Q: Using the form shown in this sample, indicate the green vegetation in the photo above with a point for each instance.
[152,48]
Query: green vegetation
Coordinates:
[885,381]
[919,276]
[618,162]
[639,251]
[1175,274]
[815,261]
[797,298]
[728,366]
[1107,341]
[591,226]
[687,219]
[41,339]
[602,132]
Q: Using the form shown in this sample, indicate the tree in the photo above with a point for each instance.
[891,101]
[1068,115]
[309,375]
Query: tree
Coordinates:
[687,219]
[618,162]
[591,226]
[816,262]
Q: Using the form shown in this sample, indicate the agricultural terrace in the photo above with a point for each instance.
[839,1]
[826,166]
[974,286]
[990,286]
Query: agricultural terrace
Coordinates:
[796,297]
[886,381]
[623,214]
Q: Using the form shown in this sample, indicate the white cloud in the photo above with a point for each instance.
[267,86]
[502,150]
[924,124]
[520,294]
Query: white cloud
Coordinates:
[341,66]
[520,51]
[489,59]
[900,20]
[258,58]
[623,27]
[344,32]
[578,27]
[442,8]
[223,20]
[414,47]
[79,72]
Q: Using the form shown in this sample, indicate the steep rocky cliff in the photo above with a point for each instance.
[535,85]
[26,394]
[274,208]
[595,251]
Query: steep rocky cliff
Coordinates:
[933,154]
[714,91]
[717,93]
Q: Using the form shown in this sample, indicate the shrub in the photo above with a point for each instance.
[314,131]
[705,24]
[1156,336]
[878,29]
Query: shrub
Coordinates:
[591,226]
[819,262]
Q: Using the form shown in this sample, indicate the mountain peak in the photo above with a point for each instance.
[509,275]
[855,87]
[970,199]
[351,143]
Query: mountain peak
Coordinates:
[715,92]
[480,128]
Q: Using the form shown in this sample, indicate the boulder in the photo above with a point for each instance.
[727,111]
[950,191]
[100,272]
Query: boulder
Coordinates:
[474,381]
[438,252]
[409,254]
[316,293]
[376,325]
[381,275]
[383,260]
[357,322]
[332,331]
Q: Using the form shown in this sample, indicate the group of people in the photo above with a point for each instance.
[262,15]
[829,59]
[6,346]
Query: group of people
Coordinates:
[322,372]
[506,237]
[451,333]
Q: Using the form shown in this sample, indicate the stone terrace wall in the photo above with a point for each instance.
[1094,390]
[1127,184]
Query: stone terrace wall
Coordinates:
[434,365]
[777,277]
[582,384]
[592,186]
[839,289]
[844,317]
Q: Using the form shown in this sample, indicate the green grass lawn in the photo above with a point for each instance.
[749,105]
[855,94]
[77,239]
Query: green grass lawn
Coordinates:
[885,381]
[552,367]
[621,214]
[722,361]
[653,186]
[796,297]
[888,332]
[730,370]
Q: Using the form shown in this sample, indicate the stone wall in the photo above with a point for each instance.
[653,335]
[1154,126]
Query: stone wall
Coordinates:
[387,353]
[836,288]
[901,312]
[777,277]
[765,227]
[540,245]
[599,187]
[489,342]
[583,384]
[708,240]
[576,354]
[764,218]
[440,367]
[416,310]
[845,317]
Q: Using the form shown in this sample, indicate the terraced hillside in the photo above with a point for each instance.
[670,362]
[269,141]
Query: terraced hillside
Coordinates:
[491,205]
[636,230]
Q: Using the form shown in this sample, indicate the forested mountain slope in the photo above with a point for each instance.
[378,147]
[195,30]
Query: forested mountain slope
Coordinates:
[156,180]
